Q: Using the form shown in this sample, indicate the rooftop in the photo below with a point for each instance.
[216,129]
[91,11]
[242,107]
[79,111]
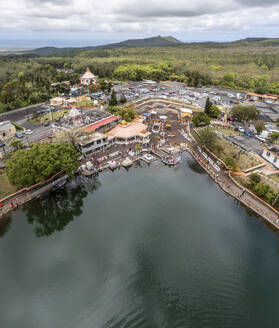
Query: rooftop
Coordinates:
[78,119]
[88,74]
[5,125]
[262,96]
[92,137]
[103,121]
[134,128]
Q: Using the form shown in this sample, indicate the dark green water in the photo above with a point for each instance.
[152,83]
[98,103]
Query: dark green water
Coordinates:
[149,247]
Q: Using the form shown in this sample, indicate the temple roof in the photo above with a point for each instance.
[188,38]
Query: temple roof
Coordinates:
[88,74]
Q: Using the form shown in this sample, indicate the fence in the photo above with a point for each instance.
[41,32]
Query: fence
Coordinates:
[26,194]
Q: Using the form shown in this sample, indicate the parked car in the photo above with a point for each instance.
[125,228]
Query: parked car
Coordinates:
[248,133]
[46,123]
[240,129]
[261,138]
[19,135]
[28,131]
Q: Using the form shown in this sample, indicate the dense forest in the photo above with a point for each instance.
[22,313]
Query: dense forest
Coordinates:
[26,78]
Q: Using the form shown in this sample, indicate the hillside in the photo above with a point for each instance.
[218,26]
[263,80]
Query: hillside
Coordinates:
[158,41]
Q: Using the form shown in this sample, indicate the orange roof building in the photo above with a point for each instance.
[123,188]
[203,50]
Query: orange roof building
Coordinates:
[131,132]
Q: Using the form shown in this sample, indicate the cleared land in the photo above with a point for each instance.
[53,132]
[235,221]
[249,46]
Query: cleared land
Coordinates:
[230,132]
[48,117]
[243,160]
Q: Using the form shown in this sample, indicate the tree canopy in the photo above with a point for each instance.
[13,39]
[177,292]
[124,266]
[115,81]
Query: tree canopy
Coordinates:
[201,119]
[29,166]
[259,126]
[244,113]
[207,137]
[127,112]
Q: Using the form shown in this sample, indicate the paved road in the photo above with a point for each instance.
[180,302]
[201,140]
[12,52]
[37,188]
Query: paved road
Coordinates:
[38,133]
[21,113]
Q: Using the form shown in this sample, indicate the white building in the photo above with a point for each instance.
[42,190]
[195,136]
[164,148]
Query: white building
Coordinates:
[7,130]
[271,155]
[88,78]
[93,143]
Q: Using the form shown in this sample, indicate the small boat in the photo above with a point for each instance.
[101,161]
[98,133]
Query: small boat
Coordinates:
[170,160]
[127,162]
[60,185]
[112,164]
[149,158]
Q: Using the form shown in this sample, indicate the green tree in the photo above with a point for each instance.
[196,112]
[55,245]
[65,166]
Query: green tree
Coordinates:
[35,115]
[231,163]
[201,119]
[259,126]
[214,112]
[113,100]
[274,136]
[244,113]
[254,179]
[29,166]
[2,108]
[94,87]
[208,106]
[16,144]
[122,99]
[207,138]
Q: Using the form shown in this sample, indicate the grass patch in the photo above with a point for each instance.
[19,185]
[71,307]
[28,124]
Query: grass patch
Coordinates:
[223,149]
[230,132]
[243,160]
[6,188]
[85,103]
[17,126]
[274,177]
[245,180]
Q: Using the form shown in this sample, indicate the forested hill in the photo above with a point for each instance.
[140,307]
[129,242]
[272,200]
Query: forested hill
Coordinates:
[32,77]
[158,41]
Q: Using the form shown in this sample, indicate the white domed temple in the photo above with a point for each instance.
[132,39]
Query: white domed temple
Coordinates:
[88,78]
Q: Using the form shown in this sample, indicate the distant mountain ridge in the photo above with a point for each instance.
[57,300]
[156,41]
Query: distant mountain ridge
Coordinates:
[157,41]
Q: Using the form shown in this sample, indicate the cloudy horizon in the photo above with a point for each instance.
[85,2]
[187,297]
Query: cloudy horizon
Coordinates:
[36,23]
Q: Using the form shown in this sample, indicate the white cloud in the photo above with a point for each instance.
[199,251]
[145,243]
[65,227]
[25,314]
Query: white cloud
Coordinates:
[138,17]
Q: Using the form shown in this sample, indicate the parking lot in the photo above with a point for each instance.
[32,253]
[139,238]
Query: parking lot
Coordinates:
[249,144]
[195,96]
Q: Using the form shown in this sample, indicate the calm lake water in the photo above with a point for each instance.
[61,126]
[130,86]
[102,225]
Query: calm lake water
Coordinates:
[148,247]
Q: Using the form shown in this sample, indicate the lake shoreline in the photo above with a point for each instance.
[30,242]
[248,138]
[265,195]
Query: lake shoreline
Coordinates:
[226,183]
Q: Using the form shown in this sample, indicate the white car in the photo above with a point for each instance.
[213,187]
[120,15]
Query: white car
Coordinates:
[28,131]
[240,129]
[261,138]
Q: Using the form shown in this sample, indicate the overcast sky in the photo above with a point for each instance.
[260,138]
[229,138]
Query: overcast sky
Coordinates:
[29,23]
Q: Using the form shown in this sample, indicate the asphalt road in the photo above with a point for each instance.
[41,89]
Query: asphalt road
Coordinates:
[18,114]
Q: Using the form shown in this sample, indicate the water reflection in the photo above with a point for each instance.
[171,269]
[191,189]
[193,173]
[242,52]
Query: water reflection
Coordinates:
[54,211]
[194,166]
[5,224]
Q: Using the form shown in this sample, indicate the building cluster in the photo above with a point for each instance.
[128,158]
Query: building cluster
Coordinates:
[77,94]
[7,130]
